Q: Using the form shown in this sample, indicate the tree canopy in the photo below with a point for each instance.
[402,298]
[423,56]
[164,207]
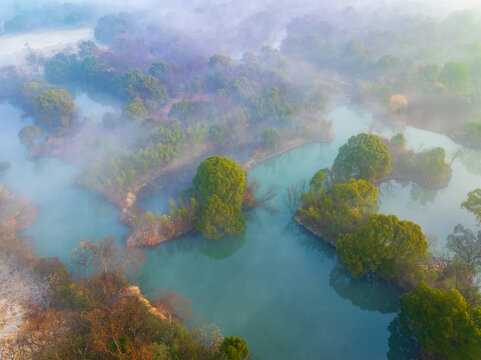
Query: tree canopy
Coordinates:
[454,74]
[338,210]
[220,184]
[54,108]
[234,348]
[111,26]
[29,135]
[58,69]
[270,138]
[384,245]
[443,322]
[473,203]
[364,156]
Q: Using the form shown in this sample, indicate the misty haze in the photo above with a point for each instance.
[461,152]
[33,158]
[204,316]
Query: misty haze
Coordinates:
[231,180]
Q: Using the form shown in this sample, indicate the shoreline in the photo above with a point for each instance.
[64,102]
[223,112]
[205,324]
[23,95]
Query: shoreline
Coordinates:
[395,281]
[128,204]
[129,212]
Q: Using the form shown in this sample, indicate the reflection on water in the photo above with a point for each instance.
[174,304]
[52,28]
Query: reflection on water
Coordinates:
[422,195]
[401,345]
[271,285]
[368,293]
[90,108]
[471,159]
[224,249]
[101,208]
[276,285]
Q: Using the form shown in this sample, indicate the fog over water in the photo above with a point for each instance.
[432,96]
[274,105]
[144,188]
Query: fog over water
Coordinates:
[275,284]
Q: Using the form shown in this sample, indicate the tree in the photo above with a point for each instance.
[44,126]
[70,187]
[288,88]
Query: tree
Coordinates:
[466,245]
[135,110]
[87,48]
[162,71]
[364,156]
[292,197]
[221,62]
[29,135]
[270,105]
[354,49]
[454,74]
[473,203]
[388,62]
[270,138]
[57,69]
[384,245]
[234,348]
[340,209]
[189,111]
[54,108]
[111,26]
[220,184]
[428,73]
[443,322]
[398,140]
[103,255]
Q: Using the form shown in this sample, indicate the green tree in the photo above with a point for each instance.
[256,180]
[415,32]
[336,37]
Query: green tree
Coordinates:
[443,322]
[270,138]
[428,73]
[384,245]
[135,110]
[162,71]
[220,184]
[194,85]
[190,111]
[111,26]
[339,210]
[321,180]
[454,74]
[87,48]
[364,156]
[216,133]
[398,140]
[134,84]
[32,89]
[54,108]
[473,203]
[220,62]
[58,69]
[234,348]
[388,62]
[29,135]
[270,105]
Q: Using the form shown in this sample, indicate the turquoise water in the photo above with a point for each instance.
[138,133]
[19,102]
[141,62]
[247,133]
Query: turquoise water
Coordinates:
[437,211]
[67,214]
[275,285]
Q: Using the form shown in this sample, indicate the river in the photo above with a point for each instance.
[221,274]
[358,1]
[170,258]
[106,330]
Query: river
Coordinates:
[275,285]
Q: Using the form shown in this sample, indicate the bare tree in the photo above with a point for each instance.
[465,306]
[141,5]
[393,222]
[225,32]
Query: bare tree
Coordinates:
[103,255]
[466,245]
[292,197]
[172,304]
[82,257]
[250,194]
